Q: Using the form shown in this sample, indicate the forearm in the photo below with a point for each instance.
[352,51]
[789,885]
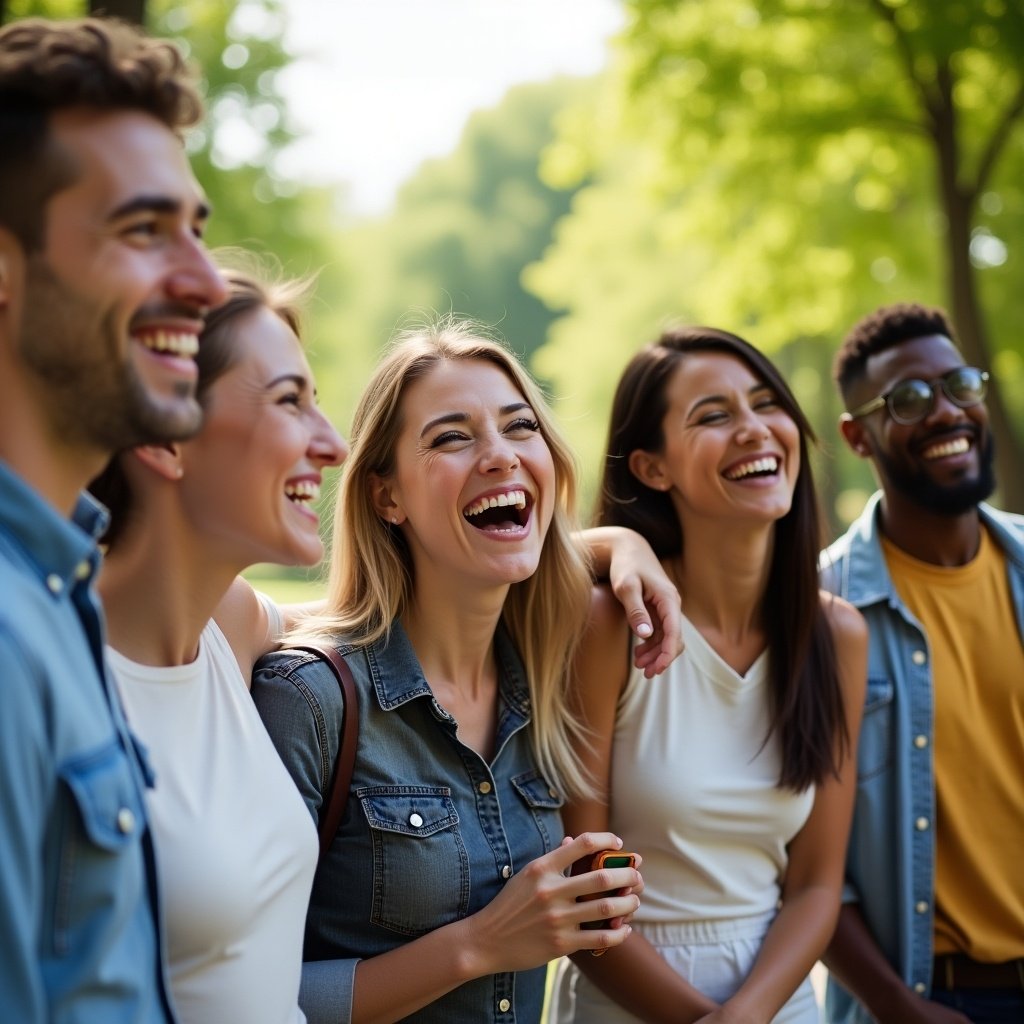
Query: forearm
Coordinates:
[393,985]
[794,942]
[639,979]
[856,962]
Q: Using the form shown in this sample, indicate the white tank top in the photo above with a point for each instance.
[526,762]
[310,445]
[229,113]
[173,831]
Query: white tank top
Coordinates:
[236,847]
[694,788]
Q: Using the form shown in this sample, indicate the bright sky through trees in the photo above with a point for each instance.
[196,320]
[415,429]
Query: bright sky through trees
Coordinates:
[383,84]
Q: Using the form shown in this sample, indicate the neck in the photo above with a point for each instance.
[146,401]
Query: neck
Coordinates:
[452,628]
[160,588]
[56,470]
[722,574]
[928,536]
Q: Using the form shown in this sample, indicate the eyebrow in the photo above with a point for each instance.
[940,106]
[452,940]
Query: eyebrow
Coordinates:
[719,399]
[156,204]
[292,378]
[462,417]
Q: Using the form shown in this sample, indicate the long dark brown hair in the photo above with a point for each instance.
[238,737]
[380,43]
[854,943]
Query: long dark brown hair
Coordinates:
[806,705]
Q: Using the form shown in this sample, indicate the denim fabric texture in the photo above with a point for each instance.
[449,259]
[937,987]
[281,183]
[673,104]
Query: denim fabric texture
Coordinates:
[431,832]
[891,858]
[78,938]
[985,1005]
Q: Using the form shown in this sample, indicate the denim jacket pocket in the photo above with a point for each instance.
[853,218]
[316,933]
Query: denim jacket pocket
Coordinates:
[545,804]
[874,752]
[99,843]
[420,864]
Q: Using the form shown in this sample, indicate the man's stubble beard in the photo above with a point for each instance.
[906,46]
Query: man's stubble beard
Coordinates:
[79,356]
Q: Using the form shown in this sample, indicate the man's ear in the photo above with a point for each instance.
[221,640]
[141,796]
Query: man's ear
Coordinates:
[854,434]
[384,501]
[162,459]
[649,469]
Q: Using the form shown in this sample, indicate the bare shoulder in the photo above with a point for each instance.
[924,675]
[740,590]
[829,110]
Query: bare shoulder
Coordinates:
[602,660]
[847,624]
[243,621]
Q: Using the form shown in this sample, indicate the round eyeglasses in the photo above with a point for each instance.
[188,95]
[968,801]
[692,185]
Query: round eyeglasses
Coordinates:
[911,400]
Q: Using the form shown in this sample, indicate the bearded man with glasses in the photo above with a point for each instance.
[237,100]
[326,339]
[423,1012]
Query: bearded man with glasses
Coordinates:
[932,926]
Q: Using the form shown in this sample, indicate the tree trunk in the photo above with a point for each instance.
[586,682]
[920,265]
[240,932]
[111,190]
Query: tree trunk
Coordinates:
[127,10]
[958,206]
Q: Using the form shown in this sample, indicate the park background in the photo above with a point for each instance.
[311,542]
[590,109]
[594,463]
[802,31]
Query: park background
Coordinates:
[777,168]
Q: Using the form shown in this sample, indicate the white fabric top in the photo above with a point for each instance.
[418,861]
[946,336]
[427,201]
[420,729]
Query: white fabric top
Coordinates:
[694,788]
[236,848]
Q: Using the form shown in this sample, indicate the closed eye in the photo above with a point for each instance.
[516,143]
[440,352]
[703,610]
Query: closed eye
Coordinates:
[448,437]
[523,423]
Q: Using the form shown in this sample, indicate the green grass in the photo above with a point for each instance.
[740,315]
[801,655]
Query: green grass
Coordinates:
[285,587]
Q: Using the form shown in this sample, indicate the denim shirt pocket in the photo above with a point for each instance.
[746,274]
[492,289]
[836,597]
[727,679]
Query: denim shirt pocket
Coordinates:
[544,803]
[99,865]
[420,863]
[874,753]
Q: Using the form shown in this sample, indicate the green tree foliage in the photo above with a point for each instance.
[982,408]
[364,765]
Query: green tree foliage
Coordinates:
[462,229]
[780,168]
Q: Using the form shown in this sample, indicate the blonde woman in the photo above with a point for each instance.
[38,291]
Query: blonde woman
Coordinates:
[457,596]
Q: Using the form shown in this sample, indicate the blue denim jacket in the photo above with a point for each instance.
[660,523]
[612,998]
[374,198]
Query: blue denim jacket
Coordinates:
[78,939]
[431,832]
[891,858]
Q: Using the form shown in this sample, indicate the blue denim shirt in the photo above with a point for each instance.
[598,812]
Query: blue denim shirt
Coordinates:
[78,939]
[431,831]
[891,858]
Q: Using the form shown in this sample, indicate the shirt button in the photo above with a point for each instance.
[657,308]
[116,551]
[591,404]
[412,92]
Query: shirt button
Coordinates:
[922,824]
[919,987]
[484,787]
[919,657]
[921,906]
[125,821]
[83,570]
[415,819]
[506,871]
[504,1005]
[921,741]
[54,583]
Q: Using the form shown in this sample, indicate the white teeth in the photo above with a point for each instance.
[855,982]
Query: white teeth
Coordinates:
[176,342]
[516,498]
[954,447]
[768,464]
[302,490]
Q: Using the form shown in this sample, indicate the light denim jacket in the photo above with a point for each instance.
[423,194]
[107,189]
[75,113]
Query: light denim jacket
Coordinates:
[891,858]
[431,832]
[78,940]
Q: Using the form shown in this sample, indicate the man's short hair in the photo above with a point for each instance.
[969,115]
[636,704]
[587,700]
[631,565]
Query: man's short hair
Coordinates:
[49,66]
[883,329]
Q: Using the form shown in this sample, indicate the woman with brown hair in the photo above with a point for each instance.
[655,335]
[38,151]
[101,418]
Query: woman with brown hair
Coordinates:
[734,775]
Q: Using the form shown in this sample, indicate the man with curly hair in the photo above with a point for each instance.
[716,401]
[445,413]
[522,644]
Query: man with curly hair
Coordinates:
[933,927]
[103,285]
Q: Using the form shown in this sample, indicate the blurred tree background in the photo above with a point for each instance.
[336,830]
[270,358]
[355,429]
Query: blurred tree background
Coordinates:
[777,167]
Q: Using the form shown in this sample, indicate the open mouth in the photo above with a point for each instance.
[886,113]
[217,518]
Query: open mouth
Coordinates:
[175,343]
[508,512]
[302,492]
[767,465]
[943,449]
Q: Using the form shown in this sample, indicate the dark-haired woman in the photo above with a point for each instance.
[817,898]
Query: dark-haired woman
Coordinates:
[734,775]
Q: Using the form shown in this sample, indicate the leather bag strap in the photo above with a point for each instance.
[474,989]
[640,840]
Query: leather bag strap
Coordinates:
[347,743]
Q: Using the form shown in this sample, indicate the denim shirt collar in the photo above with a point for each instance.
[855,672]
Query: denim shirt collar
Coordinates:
[868,580]
[54,546]
[398,678]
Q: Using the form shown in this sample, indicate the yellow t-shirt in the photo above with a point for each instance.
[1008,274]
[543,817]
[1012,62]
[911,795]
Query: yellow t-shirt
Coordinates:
[977,663]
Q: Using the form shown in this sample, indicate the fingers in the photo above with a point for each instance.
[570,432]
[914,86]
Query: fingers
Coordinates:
[655,655]
[586,844]
[630,594]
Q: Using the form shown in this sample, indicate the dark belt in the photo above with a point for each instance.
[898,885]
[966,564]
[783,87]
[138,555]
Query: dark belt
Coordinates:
[954,970]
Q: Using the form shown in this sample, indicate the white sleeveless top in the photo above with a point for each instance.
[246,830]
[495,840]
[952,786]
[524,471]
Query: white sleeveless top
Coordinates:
[694,789]
[236,848]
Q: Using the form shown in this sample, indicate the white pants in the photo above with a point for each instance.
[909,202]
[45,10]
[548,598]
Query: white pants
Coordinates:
[713,956]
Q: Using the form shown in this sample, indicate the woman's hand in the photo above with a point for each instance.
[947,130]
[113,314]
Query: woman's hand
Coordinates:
[642,587]
[537,916]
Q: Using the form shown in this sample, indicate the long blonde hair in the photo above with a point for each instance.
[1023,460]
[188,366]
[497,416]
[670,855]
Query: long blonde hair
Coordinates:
[371,571]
